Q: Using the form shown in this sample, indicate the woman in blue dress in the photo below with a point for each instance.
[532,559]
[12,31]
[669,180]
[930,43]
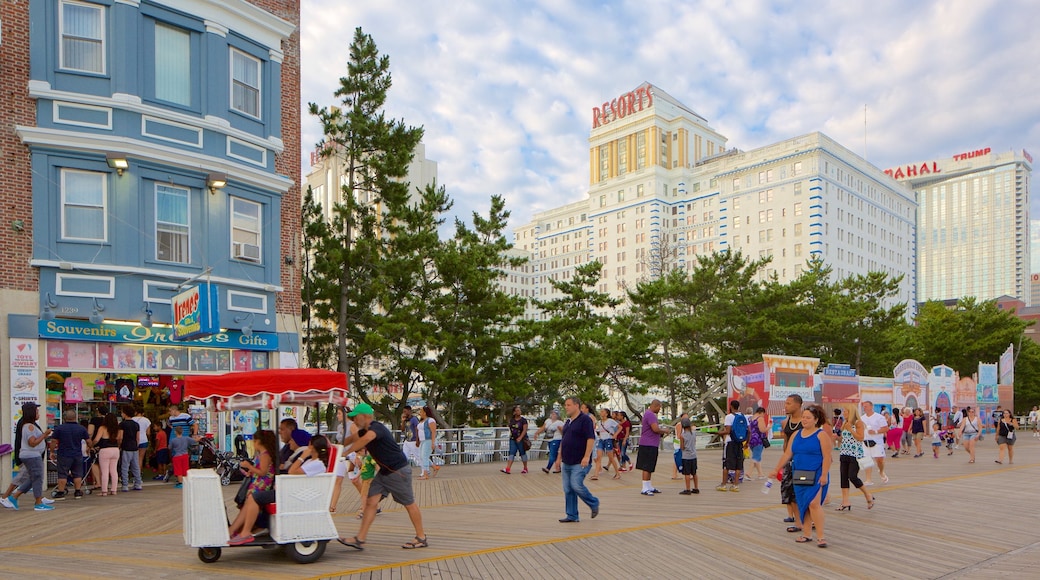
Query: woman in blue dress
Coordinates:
[810,450]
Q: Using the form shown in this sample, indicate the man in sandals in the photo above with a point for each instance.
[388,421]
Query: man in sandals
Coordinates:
[393,478]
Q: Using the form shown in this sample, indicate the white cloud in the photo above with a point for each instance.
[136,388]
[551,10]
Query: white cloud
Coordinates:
[505,90]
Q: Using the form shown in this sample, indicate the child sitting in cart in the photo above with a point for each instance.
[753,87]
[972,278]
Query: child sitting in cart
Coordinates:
[311,462]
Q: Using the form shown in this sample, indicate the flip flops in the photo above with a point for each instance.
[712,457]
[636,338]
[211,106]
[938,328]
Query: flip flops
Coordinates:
[352,543]
[416,544]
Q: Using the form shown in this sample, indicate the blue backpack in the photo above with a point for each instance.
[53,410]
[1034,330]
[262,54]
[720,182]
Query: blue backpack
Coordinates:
[739,430]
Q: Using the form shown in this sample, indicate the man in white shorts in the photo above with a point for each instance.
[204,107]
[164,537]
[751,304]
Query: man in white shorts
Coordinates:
[876,427]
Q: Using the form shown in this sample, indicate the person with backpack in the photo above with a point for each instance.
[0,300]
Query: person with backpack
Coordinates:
[735,430]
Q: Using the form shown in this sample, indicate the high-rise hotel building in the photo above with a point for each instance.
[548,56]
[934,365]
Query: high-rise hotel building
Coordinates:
[664,189]
[973,224]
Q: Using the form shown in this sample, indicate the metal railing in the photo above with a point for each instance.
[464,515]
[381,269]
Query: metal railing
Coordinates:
[489,444]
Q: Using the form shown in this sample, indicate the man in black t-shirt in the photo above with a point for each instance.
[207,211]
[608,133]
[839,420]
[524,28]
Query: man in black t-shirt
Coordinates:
[792,424]
[128,462]
[393,478]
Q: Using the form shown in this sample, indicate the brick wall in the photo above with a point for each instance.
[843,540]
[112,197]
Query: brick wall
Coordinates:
[288,163]
[16,108]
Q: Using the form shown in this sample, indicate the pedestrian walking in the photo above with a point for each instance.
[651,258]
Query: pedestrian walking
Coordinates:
[622,439]
[793,424]
[969,432]
[606,430]
[1006,436]
[552,429]
[850,451]
[874,439]
[30,445]
[918,430]
[649,441]
[579,436]
[393,478]
[810,456]
[518,441]
[427,439]
[758,439]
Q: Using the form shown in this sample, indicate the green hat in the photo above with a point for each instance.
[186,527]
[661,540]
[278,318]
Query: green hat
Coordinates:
[362,409]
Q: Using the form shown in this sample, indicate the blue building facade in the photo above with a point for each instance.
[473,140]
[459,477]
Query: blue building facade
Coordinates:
[153,158]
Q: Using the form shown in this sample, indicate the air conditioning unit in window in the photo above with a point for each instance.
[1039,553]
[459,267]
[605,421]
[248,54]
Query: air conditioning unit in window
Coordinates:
[249,252]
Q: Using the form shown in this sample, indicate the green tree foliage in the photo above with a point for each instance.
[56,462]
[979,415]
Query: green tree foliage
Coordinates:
[571,352]
[965,335]
[472,313]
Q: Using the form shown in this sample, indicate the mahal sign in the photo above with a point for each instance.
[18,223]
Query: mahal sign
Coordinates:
[195,312]
[619,108]
[913,170]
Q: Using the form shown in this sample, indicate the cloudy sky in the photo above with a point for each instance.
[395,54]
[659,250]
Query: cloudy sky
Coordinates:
[505,90]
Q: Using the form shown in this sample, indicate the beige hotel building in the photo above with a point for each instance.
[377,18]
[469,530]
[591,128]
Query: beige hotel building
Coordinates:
[664,189]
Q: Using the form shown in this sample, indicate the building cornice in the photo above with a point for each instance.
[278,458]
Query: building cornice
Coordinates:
[150,272]
[101,144]
[246,19]
[133,103]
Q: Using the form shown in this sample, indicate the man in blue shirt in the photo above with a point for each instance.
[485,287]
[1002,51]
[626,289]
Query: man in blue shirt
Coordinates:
[70,436]
[579,436]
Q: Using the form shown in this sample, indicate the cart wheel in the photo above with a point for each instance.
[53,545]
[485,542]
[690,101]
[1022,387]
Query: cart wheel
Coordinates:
[209,555]
[225,478]
[306,552]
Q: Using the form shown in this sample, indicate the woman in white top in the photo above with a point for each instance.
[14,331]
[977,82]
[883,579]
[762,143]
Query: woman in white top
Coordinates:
[606,430]
[553,429]
[427,437]
[968,431]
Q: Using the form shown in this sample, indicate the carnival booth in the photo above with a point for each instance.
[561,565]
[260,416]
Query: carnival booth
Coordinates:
[300,518]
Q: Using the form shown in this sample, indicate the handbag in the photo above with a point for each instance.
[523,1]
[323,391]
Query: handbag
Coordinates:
[527,444]
[803,477]
[865,462]
[243,492]
[766,444]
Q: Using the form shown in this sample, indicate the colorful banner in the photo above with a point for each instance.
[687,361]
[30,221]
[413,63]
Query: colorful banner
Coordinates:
[747,385]
[1007,366]
[986,390]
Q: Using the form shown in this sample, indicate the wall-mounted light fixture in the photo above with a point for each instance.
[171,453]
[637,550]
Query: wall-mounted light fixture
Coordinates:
[118,162]
[215,181]
[247,330]
[48,308]
[95,315]
[146,320]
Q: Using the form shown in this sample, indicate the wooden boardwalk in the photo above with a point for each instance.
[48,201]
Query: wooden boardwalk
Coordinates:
[937,518]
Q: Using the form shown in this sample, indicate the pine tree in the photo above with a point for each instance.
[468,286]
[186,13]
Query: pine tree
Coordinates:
[345,278]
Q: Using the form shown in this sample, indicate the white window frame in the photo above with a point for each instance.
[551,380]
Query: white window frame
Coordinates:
[104,205]
[187,197]
[61,36]
[231,83]
[259,232]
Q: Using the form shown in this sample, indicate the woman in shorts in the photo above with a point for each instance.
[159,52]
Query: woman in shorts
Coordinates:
[1006,436]
[606,430]
[969,431]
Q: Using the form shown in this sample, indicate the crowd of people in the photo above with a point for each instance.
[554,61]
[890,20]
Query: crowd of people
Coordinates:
[109,451]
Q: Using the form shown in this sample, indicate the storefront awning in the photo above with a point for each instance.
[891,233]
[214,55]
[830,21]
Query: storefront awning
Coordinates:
[268,389]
